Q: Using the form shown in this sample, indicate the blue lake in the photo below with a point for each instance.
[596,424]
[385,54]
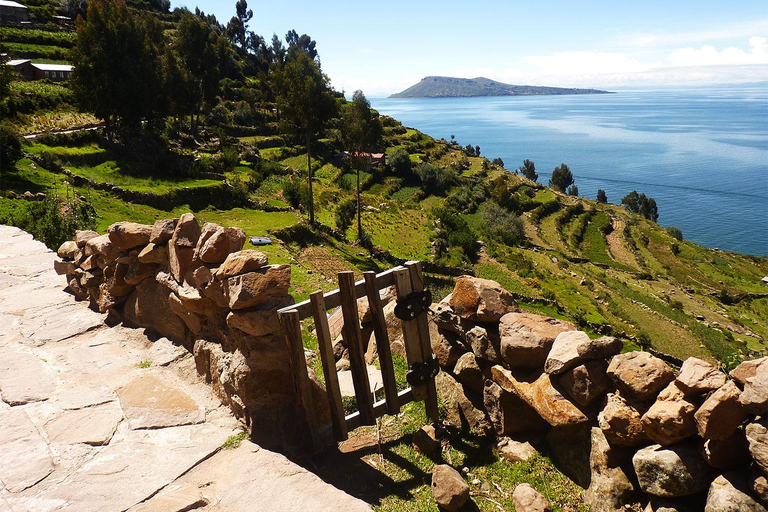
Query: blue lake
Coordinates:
[702,154]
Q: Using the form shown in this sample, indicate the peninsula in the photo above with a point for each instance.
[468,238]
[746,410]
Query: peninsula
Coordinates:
[449,87]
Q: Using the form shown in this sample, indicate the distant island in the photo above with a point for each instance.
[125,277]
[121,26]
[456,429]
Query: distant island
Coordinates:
[448,87]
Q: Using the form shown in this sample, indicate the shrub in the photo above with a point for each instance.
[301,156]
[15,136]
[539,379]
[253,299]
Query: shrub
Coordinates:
[502,225]
[435,180]
[400,163]
[562,178]
[345,214]
[296,192]
[455,234]
[10,146]
[675,233]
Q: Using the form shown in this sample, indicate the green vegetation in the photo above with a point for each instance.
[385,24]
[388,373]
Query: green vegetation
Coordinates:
[234,441]
[145,364]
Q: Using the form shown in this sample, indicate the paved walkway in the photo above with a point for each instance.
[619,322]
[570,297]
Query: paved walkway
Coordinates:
[98,418]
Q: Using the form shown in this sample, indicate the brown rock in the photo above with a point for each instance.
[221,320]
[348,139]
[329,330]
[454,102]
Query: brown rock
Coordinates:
[484,344]
[181,248]
[727,454]
[258,287]
[101,245]
[154,254]
[515,451]
[698,376]
[67,250]
[469,373]
[527,499]
[63,268]
[639,375]
[672,471]
[746,370]
[759,485]
[754,398]
[449,488]
[463,409]
[89,263]
[138,271]
[221,244]
[162,231]
[509,414]
[481,300]
[82,237]
[191,320]
[552,405]
[621,422]
[574,347]
[729,492]
[202,276]
[670,419]
[241,262]
[585,383]
[720,414]
[570,448]
[148,306]
[444,317]
[526,338]
[757,435]
[609,487]
[206,232]
[127,235]
[425,440]
[448,348]
[261,320]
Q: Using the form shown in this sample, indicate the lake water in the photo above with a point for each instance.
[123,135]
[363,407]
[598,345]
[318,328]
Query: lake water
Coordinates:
[702,154]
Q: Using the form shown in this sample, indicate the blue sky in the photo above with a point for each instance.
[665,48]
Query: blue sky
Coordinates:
[384,47]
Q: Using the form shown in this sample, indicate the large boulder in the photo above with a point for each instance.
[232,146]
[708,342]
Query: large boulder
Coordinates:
[515,451]
[447,347]
[67,250]
[154,254]
[261,320]
[574,347]
[754,398]
[746,370]
[103,247]
[127,235]
[757,435]
[484,344]
[528,499]
[727,454]
[609,487]
[671,472]
[463,409]
[586,383]
[469,373]
[639,375]
[181,248]
[82,237]
[621,422]
[240,262]
[481,300]
[449,488]
[162,231]
[149,306]
[721,413]
[729,492]
[509,414]
[446,319]
[526,338]
[670,419]
[698,376]
[257,287]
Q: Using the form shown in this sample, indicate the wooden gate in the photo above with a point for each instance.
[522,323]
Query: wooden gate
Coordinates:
[412,304]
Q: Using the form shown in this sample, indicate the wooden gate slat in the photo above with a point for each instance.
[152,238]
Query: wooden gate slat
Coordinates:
[410,329]
[325,346]
[417,284]
[292,327]
[380,408]
[383,348]
[355,347]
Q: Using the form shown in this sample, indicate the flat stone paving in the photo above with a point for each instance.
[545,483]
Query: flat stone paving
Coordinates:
[98,418]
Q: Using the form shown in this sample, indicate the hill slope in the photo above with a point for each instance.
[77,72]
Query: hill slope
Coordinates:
[448,87]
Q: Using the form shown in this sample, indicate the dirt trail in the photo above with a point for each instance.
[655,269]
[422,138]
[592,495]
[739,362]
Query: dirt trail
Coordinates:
[619,251]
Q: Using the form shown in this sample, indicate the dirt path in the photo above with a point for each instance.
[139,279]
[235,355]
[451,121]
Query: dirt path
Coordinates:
[618,250]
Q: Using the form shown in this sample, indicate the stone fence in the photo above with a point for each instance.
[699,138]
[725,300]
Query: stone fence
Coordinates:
[627,427]
[195,286]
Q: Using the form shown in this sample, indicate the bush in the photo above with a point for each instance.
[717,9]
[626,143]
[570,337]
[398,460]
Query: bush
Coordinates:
[675,233]
[455,234]
[400,163]
[502,225]
[10,146]
[51,221]
[562,178]
[296,192]
[345,214]
[435,180]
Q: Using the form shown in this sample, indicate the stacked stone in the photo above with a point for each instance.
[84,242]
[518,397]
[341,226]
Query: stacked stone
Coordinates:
[626,427]
[195,286]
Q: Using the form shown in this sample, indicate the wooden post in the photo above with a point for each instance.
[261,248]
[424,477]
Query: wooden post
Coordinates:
[355,347]
[410,329]
[325,346]
[292,327]
[417,284]
[382,343]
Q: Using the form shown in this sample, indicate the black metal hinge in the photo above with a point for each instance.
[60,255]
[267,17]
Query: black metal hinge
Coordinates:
[408,308]
[419,373]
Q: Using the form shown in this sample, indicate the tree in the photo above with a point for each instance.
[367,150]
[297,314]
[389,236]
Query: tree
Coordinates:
[639,203]
[573,190]
[344,214]
[117,73]
[561,179]
[301,43]
[498,162]
[435,180]
[6,75]
[400,163]
[528,169]
[238,25]
[601,197]
[306,102]
[361,132]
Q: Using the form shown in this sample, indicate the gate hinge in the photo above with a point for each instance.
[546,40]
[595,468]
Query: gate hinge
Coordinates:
[419,373]
[411,306]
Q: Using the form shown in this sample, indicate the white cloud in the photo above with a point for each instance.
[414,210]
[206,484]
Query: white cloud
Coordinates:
[730,56]
[734,31]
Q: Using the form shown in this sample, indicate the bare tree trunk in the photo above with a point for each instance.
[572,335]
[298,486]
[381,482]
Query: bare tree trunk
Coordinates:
[359,222]
[309,179]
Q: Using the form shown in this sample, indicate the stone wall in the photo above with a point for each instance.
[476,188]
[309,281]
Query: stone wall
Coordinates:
[195,286]
[627,427]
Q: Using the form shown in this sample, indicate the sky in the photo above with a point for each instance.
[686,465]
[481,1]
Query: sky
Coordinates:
[383,47]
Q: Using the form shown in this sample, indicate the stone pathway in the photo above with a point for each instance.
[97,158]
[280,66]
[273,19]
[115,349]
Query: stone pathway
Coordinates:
[98,418]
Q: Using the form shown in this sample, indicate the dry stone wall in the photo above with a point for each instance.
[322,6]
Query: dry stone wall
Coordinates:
[627,427]
[194,285]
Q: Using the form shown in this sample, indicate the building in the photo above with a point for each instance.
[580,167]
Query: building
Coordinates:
[31,71]
[375,158]
[13,12]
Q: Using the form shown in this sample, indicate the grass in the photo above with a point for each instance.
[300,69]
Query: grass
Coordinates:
[234,441]
[145,364]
